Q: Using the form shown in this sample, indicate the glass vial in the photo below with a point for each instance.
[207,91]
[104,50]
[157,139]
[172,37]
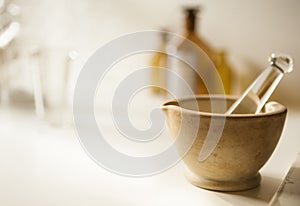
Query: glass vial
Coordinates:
[159,62]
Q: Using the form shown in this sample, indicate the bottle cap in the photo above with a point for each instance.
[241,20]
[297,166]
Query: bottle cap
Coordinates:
[191,10]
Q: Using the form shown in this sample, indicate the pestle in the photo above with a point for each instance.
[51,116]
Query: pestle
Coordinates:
[263,86]
[255,96]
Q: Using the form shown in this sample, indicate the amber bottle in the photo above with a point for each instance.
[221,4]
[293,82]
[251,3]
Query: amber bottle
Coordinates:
[198,74]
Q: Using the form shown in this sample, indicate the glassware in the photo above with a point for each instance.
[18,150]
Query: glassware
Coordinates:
[57,67]
[263,86]
[224,71]
[159,62]
[199,58]
[37,82]
[39,78]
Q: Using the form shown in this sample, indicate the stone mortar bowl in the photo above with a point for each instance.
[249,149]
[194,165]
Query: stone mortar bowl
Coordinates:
[246,143]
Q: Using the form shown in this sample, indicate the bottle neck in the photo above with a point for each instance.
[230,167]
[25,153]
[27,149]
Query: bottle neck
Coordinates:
[190,24]
[192,34]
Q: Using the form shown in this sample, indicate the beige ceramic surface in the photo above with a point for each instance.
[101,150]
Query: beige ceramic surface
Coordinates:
[246,143]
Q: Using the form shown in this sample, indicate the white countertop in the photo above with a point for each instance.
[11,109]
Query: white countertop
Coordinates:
[42,164]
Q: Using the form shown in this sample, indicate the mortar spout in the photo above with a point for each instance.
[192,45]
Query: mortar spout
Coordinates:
[169,105]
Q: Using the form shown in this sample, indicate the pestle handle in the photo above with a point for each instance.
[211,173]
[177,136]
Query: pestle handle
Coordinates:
[263,86]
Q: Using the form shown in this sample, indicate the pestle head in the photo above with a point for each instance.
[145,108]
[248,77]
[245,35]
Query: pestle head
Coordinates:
[282,61]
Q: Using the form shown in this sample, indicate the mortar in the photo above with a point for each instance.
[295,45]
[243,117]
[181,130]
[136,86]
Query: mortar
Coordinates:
[246,143]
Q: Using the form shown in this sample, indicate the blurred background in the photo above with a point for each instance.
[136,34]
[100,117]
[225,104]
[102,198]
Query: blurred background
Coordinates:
[43,47]
[44,44]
